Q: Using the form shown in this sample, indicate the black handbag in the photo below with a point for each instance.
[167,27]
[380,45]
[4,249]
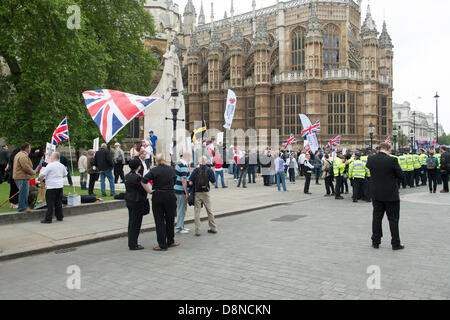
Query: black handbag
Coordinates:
[191,199]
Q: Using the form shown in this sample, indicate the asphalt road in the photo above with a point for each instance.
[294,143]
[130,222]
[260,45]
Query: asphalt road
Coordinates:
[318,249]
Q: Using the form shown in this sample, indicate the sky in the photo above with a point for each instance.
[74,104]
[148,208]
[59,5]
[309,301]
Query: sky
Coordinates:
[420,32]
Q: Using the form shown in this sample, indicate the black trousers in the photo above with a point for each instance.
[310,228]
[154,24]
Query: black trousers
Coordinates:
[410,178]
[432,179]
[402,181]
[417,177]
[134,226]
[266,180]
[392,210]
[444,177]
[358,187]
[307,182]
[92,179]
[2,172]
[329,185]
[339,186]
[54,204]
[344,185]
[423,175]
[118,172]
[164,211]
[242,178]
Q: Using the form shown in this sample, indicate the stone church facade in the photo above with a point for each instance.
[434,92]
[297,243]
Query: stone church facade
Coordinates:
[300,56]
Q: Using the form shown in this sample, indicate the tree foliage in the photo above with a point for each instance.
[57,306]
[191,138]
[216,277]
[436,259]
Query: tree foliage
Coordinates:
[51,64]
[444,139]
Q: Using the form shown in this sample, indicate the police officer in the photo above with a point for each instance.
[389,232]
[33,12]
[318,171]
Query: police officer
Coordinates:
[423,170]
[338,170]
[364,158]
[410,170]
[357,173]
[439,177]
[417,167]
[404,166]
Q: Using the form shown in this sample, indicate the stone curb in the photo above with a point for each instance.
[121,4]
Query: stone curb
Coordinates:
[105,236]
[16,217]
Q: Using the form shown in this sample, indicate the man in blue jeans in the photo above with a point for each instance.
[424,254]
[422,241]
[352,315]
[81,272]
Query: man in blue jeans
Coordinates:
[104,164]
[281,177]
[23,172]
[181,191]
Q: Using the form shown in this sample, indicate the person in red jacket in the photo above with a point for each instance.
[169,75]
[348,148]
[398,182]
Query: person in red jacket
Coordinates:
[218,169]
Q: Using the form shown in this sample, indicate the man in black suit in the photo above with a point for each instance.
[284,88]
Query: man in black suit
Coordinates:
[385,172]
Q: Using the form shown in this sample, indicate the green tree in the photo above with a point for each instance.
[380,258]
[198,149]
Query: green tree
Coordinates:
[51,64]
[444,139]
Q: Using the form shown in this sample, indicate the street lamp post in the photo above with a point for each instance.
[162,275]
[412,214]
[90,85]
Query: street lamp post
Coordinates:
[411,136]
[174,95]
[414,138]
[437,119]
[395,134]
[371,132]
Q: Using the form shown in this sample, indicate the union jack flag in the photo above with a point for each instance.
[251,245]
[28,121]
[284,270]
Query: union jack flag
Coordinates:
[112,110]
[334,142]
[312,129]
[388,140]
[61,133]
[290,141]
[308,148]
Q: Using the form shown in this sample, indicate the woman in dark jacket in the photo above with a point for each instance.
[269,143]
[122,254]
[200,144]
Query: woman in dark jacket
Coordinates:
[137,204]
[164,202]
[13,191]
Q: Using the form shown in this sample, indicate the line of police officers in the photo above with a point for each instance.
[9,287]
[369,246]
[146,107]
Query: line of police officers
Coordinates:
[413,165]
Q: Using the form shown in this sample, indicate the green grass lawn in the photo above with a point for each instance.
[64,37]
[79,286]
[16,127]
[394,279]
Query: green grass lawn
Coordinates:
[4,195]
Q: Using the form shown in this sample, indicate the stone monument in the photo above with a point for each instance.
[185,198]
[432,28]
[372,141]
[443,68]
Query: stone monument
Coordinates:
[156,114]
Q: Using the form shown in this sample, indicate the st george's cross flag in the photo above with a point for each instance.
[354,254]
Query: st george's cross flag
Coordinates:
[230,109]
[61,133]
[311,129]
[112,110]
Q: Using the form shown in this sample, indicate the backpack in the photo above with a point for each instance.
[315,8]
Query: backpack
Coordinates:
[431,163]
[330,170]
[202,180]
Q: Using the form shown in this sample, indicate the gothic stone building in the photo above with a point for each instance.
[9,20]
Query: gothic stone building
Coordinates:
[300,56]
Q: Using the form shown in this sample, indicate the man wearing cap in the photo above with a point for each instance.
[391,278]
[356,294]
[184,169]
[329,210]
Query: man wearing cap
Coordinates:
[357,173]
[423,170]
[338,169]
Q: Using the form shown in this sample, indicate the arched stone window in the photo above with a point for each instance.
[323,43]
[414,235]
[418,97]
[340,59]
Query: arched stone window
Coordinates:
[331,45]
[298,49]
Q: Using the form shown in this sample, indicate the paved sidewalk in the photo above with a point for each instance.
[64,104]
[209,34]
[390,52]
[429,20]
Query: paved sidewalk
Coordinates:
[308,250]
[21,239]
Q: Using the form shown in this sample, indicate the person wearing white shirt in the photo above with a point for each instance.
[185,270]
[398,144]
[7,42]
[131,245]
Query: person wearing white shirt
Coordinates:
[54,174]
[149,154]
[144,167]
[301,162]
[308,171]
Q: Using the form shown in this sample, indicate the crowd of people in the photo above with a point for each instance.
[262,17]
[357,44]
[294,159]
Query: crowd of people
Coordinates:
[188,181]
